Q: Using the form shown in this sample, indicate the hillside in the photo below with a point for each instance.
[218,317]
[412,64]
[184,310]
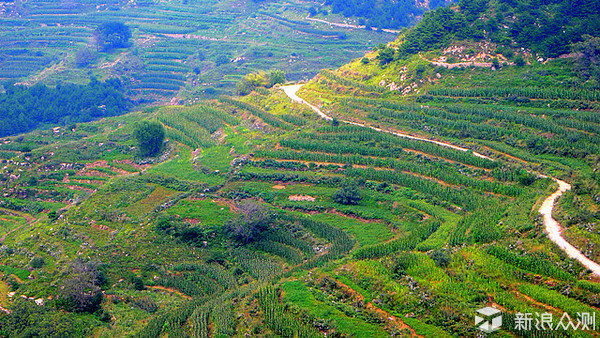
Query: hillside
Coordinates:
[395,195]
[177,48]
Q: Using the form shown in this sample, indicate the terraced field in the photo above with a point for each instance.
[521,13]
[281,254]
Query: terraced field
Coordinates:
[177,47]
[437,228]
[378,199]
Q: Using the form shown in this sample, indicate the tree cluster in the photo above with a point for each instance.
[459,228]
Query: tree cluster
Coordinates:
[80,289]
[111,35]
[150,137]
[381,14]
[549,28]
[23,108]
[261,79]
[252,220]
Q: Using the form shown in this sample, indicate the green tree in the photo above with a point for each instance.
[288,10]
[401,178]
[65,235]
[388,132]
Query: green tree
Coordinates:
[37,262]
[589,61]
[348,195]
[80,289]
[519,61]
[441,258]
[386,56]
[110,35]
[276,77]
[261,79]
[150,137]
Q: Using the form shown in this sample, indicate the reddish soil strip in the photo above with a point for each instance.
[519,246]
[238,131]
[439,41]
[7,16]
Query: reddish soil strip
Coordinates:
[177,292]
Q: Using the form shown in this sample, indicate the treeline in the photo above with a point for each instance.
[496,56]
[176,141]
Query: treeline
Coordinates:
[548,28]
[23,108]
[381,14]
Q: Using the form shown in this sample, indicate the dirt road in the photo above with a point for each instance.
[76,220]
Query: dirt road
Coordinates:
[553,228]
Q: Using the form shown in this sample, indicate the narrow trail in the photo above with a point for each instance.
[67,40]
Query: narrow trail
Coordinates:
[291,91]
[30,220]
[553,228]
[465,64]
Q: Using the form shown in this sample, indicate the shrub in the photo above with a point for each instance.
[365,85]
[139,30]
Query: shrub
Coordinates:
[347,195]
[37,262]
[150,137]
[441,258]
[253,219]
[138,283]
[80,290]
[519,61]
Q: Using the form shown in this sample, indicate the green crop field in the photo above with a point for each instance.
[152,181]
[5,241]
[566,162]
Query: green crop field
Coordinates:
[178,48]
[394,195]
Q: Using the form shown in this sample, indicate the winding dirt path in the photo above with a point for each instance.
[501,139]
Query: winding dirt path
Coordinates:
[553,228]
[291,91]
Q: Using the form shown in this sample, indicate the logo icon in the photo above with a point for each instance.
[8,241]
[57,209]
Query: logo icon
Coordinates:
[488,319]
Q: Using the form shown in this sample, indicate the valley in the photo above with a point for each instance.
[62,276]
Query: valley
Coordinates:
[430,175]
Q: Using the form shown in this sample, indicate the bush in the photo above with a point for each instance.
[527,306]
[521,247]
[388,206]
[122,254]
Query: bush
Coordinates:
[519,61]
[37,262]
[347,195]
[138,283]
[252,221]
[150,137]
[441,258]
[80,290]
[260,79]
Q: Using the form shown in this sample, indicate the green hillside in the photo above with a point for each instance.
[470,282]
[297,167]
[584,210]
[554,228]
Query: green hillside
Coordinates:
[411,202]
[177,48]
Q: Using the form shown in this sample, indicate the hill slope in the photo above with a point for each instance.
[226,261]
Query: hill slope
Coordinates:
[262,218]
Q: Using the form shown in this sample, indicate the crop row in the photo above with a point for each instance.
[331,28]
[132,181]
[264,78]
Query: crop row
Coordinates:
[457,127]
[189,128]
[530,92]
[256,111]
[285,177]
[423,167]
[279,319]
[531,263]
[350,83]
[417,235]
[465,198]
[359,134]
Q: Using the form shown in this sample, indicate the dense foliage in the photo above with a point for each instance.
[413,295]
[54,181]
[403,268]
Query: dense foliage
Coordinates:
[381,14]
[150,137]
[261,79]
[111,35]
[549,28]
[23,109]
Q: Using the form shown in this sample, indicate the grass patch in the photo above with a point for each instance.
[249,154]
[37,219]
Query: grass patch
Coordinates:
[366,233]
[297,293]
